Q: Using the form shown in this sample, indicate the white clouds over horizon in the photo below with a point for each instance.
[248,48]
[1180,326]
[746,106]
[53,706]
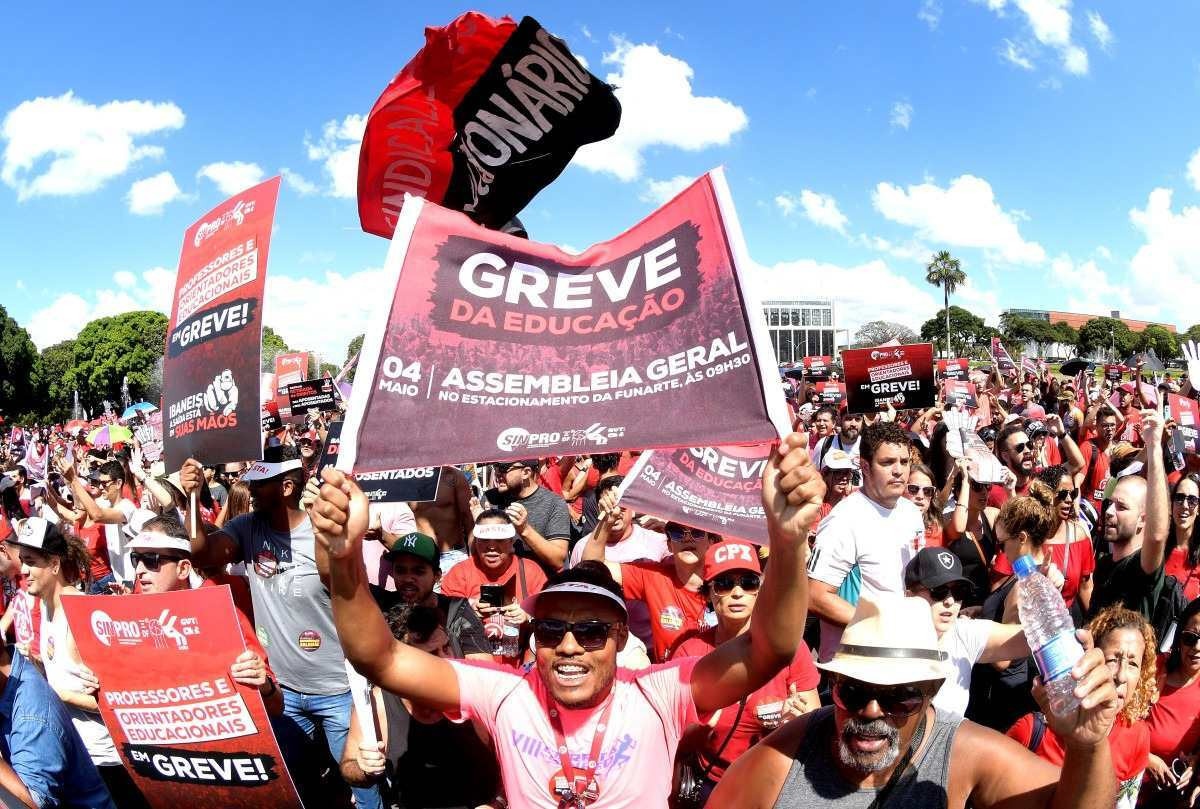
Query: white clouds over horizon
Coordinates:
[67,314]
[230,178]
[337,151]
[820,209]
[148,197]
[65,146]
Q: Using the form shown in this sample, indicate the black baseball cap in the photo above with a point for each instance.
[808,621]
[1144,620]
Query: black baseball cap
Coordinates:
[931,568]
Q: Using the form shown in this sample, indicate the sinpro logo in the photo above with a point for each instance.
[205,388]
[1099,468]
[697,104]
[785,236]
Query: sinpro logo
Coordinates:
[512,439]
[236,215]
[157,631]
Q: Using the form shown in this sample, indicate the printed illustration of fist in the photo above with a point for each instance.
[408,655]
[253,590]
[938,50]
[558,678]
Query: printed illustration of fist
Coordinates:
[222,394]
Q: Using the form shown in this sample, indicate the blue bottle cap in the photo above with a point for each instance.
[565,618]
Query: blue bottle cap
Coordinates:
[1024,566]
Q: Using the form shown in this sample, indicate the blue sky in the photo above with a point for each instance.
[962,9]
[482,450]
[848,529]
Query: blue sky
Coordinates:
[1053,147]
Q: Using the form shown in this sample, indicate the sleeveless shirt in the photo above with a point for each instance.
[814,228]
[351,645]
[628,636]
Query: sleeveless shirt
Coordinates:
[813,781]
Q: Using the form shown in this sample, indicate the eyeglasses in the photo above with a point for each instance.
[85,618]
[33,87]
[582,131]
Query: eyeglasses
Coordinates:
[1024,445]
[957,590]
[103,481]
[1063,495]
[504,469]
[914,490]
[1188,638]
[897,700]
[1190,499]
[590,634]
[725,582]
[682,533]
[152,561]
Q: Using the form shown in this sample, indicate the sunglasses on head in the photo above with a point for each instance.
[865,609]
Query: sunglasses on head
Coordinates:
[725,582]
[682,533]
[591,634]
[1190,499]
[1188,638]
[152,561]
[894,700]
[958,590]
[914,490]
[1063,495]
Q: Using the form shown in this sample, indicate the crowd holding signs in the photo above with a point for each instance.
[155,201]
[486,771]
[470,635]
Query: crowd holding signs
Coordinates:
[447,585]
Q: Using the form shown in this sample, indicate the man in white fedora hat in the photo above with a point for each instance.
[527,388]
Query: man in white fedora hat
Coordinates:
[883,744]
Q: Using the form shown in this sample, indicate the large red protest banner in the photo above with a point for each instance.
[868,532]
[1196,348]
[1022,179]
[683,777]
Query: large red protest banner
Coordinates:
[211,371]
[716,489]
[187,733]
[818,367]
[902,375]
[518,349]
[1185,412]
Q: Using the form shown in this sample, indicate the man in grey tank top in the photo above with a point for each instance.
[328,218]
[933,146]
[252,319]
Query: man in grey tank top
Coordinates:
[883,745]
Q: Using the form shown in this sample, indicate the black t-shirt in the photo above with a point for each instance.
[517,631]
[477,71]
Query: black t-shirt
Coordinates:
[999,698]
[461,623]
[1124,582]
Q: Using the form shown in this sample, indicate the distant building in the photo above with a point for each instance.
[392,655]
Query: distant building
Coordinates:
[1076,321]
[800,329]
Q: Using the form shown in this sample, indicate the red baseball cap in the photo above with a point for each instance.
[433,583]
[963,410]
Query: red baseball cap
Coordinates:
[730,555]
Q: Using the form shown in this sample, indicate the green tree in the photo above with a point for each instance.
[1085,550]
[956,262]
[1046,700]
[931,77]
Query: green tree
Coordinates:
[111,349]
[1065,334]
[966,330]
[1192,334]
[1103,336]
[272,346]
[875,332]
[53,364]
[18,368]
[352,349]
[1159,340]
[945,271]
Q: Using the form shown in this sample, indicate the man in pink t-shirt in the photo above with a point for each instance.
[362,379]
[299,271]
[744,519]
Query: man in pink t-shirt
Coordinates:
[576,730]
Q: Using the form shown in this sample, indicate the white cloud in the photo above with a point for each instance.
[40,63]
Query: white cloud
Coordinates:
[659,108]
[902,113]
[1100,30]
[1164,273]
[1193,170]
[963,214]
[1015,54]
[822,210]
[337,151]
[1089,288]
[1050,21]
[908,251]
[298,183]
[68,313]
[661,191]
[1075,60]
[930,13]
[148,197]
[86,145]
[870,291]
[230,178]
[288,309]
[786,204]
[1103,252]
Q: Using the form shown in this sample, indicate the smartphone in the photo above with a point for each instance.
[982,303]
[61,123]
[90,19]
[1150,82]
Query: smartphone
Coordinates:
[491,595]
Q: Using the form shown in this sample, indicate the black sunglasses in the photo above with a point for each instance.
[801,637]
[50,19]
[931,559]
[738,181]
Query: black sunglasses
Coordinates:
[103,481]
[898,701]
[725,582]
[1188,638]
[591,634]
[958,590]
[1190,499]
[914,490]
[1063,495]
[1024,445]
[682,533]
[152,561]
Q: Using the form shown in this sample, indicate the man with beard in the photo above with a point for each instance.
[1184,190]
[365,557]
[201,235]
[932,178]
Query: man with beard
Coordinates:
[576,730]
[1015,451]
[1136,524]
[1097,456]
[846,439]
[874,530]
[541,517]
[882,741]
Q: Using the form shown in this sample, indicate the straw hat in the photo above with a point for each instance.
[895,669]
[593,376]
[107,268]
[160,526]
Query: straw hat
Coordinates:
[889,641]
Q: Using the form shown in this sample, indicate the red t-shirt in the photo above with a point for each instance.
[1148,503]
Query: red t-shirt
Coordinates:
[465,578]
[551,478]
[1188,575]
[674,610]
[998,495]
[765,703]
[1174,729]
[933,535]
[1074,562]
[240,588]
[1128,744]
[5,529]
[96,539]
[1093,487]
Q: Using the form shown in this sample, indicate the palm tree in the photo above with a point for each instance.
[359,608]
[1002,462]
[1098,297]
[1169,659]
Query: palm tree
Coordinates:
[945,271]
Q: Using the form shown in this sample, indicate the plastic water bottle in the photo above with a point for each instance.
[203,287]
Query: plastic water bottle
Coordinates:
[1050,632]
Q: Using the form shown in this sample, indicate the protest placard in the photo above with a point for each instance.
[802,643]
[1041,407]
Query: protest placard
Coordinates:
[150,436]
[902,375]
[416,485]
[716,489]
[831,393]
[957,393]
[211,371]
[962,441]
[1114,372]
[186,732]
[1185,412]
[1002,359]
[541,352]
[818,367]
[953,368]
[316,394]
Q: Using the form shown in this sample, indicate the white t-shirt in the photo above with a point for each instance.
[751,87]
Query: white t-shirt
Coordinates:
[118,560]
[641,544]
[835,442]
[964,644]
[880,541]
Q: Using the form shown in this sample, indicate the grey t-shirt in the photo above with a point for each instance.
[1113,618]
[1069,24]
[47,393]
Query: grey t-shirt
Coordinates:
[292,614]
[548,513]
[219,494]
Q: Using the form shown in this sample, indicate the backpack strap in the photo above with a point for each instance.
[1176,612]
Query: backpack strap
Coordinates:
[1039,731]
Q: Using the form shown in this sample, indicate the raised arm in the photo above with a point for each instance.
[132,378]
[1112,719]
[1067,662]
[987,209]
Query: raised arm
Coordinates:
[1005,642]
[1158,512]
[85,501]
[209,549]
[1072,455]
[792,493]
[339,519]
[597,541]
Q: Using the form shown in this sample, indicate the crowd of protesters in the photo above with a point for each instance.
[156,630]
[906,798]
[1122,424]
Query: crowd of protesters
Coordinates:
[531,642]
